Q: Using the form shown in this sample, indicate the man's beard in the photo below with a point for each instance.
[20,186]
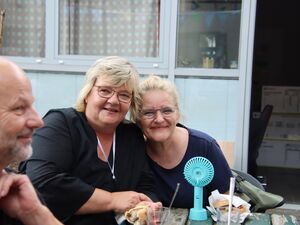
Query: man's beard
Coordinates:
[12,150]
[21,153]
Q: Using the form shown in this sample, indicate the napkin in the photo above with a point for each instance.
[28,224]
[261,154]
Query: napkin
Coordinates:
[236,202]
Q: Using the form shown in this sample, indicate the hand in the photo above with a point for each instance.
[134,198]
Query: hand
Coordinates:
[18,198]
[153,205]
[125,200]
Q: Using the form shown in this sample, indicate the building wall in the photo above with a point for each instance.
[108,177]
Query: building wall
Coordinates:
[206,104]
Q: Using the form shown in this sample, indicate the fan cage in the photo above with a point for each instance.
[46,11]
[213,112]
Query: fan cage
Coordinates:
[199,171]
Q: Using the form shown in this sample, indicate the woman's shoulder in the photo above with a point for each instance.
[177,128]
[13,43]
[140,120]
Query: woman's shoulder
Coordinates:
[67,113]
[64,116]
[129,128]
[194,133]
[62,111]
[127,124]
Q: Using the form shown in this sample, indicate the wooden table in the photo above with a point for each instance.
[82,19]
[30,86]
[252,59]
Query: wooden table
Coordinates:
[180,217]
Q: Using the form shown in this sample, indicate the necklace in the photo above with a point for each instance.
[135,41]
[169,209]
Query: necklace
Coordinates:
[112,168]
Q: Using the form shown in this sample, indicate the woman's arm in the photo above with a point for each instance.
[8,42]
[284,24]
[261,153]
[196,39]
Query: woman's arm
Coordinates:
[59,162]
[102,201]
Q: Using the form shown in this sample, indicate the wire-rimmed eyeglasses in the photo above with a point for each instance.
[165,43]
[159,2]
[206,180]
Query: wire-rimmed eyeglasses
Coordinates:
[108,92]
[151,113]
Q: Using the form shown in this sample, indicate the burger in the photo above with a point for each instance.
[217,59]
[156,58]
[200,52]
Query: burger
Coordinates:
[142,213]
[223,205]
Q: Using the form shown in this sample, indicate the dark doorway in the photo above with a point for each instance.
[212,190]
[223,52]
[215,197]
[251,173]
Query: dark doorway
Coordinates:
[276,63]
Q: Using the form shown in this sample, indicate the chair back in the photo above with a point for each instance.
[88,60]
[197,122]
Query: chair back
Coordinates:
[257,131]
[227,148]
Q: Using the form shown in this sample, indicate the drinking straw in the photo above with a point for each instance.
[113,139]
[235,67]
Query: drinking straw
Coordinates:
[231,191]
[171,203]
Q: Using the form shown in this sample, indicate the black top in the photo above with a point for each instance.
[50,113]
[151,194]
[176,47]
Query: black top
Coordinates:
[6,220]
[65,167]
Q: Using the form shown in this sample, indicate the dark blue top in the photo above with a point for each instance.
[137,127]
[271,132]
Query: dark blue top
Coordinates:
[199,144]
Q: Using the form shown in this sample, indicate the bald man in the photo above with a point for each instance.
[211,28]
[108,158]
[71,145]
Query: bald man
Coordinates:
[19,203]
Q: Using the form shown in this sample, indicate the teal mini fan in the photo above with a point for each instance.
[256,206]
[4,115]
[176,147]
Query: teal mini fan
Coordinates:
[198,171]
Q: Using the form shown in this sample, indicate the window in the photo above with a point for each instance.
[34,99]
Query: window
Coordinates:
[24,28]
[69,35]
[126,28]
[208,34]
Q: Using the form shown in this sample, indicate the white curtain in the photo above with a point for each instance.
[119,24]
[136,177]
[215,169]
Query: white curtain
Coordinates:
[109,27]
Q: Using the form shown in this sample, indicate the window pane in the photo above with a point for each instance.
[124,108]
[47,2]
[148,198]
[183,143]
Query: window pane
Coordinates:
[24,28]
[115,27]
[208,33]
[217,104]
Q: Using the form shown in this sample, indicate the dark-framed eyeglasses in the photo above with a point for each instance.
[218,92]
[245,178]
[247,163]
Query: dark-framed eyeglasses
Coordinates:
[108,92]
[151,113]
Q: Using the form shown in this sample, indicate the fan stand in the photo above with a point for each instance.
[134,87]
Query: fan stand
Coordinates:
[198,171]
[198,213]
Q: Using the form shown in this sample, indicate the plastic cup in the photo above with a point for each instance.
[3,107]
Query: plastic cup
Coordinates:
[159,216]
[222,216]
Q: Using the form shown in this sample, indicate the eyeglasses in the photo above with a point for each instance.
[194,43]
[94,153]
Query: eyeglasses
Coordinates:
[108,92]
[151,113]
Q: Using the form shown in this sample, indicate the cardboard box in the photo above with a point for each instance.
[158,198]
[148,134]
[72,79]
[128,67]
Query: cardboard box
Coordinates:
[283,126]
[279,154]
[285,99]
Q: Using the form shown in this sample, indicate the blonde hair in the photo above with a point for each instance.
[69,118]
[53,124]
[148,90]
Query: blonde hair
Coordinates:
[116,69]
[154,82]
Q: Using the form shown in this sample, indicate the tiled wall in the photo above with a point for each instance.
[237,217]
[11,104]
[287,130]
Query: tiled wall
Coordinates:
[207,104]
[54,90]
[210,105]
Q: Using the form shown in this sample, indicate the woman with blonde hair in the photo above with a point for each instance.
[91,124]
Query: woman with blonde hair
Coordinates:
[170,144]
[89,163]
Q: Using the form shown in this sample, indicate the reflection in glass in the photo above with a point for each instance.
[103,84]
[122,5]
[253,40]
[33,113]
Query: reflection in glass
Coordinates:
[208,34]
[24,28]
[115,27]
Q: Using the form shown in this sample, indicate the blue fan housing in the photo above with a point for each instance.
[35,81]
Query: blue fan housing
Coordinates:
[198,171]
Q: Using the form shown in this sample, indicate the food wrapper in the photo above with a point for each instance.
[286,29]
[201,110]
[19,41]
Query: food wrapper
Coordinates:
[236,202]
